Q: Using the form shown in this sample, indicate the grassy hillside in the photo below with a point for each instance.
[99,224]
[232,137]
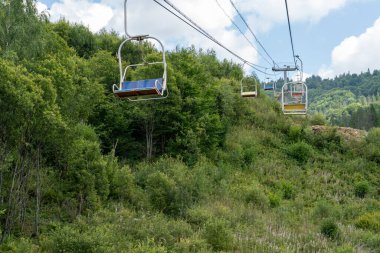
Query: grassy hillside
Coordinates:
[274,186]
[201,171]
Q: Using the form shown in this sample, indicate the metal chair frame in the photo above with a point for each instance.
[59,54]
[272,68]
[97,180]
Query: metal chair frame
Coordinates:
[299,104]
[118,89]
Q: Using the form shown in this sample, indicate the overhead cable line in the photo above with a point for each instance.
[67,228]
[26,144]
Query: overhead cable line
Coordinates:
[290,33]
[188,23]
[238,28]
[195,26]
[206,34]
[251,31]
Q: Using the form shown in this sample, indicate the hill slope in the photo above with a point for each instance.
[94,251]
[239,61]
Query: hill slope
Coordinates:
[202,171]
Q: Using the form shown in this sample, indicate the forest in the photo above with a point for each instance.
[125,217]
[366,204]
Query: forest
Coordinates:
[201,171]
[351,100]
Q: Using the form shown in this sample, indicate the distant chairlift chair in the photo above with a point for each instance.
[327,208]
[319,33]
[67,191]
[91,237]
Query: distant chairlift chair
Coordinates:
[268,86]
[248,86]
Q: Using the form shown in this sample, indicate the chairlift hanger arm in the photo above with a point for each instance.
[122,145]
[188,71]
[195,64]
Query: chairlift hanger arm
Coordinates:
[136,37]
[298,57]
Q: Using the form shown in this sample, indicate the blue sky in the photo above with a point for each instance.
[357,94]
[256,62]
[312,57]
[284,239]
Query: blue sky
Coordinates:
[331,36]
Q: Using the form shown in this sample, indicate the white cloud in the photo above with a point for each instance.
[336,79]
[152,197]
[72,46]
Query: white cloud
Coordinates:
[94,15]
[146,17]
[271,12]
[356,54]
[41,7]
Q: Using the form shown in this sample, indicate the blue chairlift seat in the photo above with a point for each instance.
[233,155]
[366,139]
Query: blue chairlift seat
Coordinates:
[268,86]
[140,88]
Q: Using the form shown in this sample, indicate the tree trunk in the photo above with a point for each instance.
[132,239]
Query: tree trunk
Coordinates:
[17,198]
[36,228]
[149,129]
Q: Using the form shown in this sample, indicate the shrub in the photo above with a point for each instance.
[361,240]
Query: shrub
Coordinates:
[300,151]
[324,209]
[288,190]
[257,197]
[192,244]
[325,139]
[198,215]
[372,152]
[171,186]
[318,119]
[369,221]
[295,132]
[218,235]
[274,199]
[374,136]
[361,189]
[162,192]
[122,184]
[68,239]
[249,155]
[21,245]
[157,227]
[330,229]
[148,247]
[345,249]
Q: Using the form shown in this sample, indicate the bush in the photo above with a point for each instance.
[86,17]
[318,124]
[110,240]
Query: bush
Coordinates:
[68,239]
[148,247]
[122,184]
[295,132]
[171,186]
[192,244]
[162,192]
[157,227]
[330,229]
[361,189]
[300,151]
[372,152]
[198,215]
[325,139]
[257,197]
[374,136]
[288,190]
[218,235]
[274,199]
[249,155]
[318,119]
[345,249]
[21,245]
[324,209]
[369,221]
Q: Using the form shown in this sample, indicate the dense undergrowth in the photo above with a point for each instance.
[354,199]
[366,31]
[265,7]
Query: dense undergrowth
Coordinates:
[202,171]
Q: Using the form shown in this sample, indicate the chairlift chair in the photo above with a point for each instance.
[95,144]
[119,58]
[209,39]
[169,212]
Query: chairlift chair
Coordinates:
[291,104]
[146,89]
[268,86]
[248,86]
